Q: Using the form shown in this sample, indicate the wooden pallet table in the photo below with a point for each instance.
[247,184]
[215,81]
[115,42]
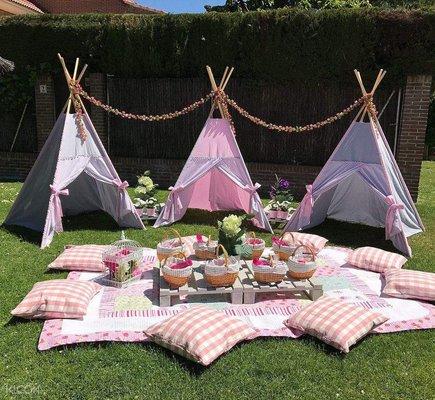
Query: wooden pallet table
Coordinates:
[251,287]
[197,285]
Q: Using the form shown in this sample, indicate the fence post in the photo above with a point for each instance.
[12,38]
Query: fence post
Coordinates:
[45,108]
[410,149]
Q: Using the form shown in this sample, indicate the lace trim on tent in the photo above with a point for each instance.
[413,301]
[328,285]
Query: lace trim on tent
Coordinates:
[80,156]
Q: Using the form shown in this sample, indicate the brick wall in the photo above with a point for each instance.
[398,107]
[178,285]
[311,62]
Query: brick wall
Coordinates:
[45,108]
[15,166]
[410,147]
[94,6]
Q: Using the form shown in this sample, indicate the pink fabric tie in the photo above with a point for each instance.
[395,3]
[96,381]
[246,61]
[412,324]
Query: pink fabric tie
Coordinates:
[307,204]
[391,227]
[121,186]
[57,206]
[252,191]
[175,198]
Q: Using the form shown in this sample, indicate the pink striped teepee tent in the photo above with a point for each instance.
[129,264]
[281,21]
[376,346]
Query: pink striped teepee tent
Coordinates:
[73,174]
[215,176]
[361,183]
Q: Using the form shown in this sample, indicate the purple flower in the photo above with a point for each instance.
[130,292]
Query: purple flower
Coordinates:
[284,184]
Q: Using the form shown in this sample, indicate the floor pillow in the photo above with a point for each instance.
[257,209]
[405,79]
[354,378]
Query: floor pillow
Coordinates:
[200,334]
[335,322]
[81,258]
[376,260]
[58,298]
[316,242]
[408,284]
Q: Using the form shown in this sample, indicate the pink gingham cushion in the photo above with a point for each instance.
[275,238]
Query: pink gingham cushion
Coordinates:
[335,322]
[316,242]
[408,284]
[374,259]
[81,258]
[200,334]
[58,298]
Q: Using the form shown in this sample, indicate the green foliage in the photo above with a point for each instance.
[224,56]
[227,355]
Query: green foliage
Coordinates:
[255,5]
[292,44]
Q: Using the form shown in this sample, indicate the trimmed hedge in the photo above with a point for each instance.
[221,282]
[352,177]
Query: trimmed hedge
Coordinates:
[271,45]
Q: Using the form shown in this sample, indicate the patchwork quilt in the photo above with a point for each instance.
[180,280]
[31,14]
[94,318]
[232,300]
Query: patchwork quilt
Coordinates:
[123,314]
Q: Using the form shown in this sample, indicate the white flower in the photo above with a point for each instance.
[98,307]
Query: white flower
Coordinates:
[231,225]
[147,183]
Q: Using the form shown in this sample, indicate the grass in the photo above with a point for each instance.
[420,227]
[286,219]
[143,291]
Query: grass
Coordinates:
[391,366]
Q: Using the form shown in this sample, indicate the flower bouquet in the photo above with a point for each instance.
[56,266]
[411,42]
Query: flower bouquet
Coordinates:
[176,270]
[280,199]
[145,192]
[232,234]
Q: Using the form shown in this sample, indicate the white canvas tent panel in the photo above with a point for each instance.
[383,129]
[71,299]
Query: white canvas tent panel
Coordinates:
[71,176]
[361,183]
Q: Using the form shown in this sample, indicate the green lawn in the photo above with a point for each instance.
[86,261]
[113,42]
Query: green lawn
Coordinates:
[390,366]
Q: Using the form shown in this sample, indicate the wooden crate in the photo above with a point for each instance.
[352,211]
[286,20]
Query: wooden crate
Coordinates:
[197,285]
[251,287]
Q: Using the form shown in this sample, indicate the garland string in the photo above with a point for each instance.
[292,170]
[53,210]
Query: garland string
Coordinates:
[224,100]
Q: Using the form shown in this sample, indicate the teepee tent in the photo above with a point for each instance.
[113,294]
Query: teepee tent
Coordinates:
[73,174]
[215,176]
[361,183]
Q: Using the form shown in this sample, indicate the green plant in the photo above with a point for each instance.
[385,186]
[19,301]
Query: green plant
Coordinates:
[145,191]
[231,233]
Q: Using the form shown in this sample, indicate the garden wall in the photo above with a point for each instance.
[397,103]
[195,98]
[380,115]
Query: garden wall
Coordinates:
[290,67]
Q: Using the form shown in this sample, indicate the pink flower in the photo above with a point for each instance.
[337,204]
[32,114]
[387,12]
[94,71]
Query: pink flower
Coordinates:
[278,241]
[181,264]
[254,241]
[199,238]
[258,262]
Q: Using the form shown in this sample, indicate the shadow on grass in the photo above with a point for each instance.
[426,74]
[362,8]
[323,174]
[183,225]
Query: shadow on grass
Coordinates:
[352,235]
[99,221]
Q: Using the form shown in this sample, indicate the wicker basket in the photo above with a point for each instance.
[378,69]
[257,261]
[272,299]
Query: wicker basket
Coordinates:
[169,247]
[284,251]
[256,244]
[206,250]
[298,270]
[222,271]
[176,277]
[273,273]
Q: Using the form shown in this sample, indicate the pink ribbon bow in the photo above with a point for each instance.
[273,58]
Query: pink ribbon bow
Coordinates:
[175,200]
[391,224]
[57,207]
[307,204]
[121,186]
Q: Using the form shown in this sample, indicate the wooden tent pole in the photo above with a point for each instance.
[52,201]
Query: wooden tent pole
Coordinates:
[227,79]
[76,66]
[82,73]
[215,88]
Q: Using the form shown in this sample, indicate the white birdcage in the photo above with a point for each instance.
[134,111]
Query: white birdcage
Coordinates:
[122,259]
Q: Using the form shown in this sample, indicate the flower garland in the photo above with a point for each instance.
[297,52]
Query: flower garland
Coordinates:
[222,98]
[150,118]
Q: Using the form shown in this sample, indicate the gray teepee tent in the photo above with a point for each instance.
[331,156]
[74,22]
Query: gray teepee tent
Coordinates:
[361,183]
[73,174]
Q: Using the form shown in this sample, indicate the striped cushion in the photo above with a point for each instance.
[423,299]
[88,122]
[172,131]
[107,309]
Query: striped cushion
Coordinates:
[58,298]
[335,322]
[200,334]
[81,258]
[410,284]
[374,259]
[316,242]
